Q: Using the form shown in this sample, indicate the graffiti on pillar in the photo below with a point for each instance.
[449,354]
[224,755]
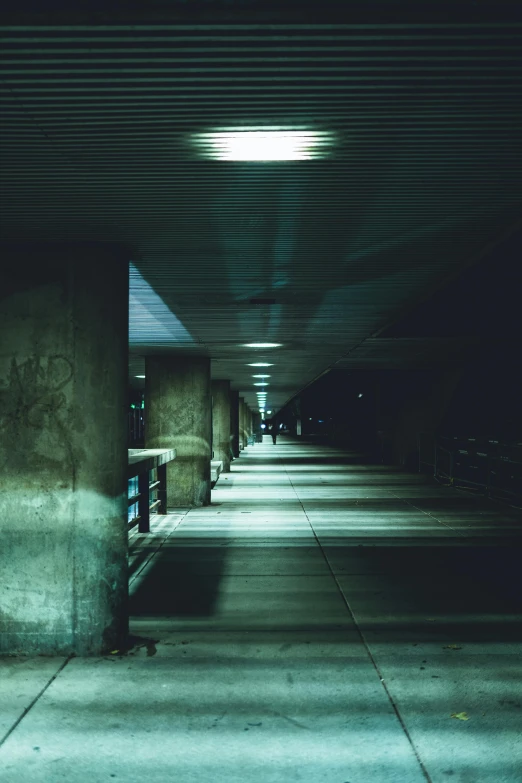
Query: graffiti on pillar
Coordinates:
[33,405]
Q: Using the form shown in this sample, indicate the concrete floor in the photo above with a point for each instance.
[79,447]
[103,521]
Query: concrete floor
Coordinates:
[322,620]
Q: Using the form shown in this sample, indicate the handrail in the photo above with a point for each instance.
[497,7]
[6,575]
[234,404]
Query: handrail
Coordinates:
[141,464]
[489,465]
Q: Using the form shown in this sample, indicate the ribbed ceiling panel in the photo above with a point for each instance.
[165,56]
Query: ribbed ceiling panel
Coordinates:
[424,173]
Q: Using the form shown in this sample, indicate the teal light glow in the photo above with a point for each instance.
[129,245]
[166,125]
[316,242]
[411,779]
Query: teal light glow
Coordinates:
[262,345]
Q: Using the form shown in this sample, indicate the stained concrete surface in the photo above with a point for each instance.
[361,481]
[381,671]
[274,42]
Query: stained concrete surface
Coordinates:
[63,459]
[322,620]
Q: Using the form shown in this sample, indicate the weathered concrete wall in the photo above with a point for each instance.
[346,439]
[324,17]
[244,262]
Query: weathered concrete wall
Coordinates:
[234,423]
[178,416]
[221,422]
[63,458]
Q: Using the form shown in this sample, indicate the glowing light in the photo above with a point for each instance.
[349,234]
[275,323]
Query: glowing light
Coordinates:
[262,345]
[140,376]
[263,144]
[269,412]
[260,364]
[261,376]
[261,383]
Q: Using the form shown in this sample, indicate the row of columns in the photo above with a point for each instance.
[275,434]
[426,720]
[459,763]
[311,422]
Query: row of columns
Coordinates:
[198,417]
[63,449]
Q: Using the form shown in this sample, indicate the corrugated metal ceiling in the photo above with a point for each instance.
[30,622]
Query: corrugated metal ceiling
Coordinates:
[426,170]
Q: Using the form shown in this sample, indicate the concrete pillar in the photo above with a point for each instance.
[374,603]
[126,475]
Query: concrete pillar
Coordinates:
[178,416]
[247,422]
[63,449]
[256,424]
[221,422]
[242,421]
[234,423]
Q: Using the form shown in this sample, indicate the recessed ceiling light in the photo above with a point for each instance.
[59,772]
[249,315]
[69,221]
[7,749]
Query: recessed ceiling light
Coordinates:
[261,383]
[260,364]
[263,144]
[140,376]
[261,376]
[262,345]
[269,412]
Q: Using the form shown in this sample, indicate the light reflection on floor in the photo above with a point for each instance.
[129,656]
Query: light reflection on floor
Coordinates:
[322,620]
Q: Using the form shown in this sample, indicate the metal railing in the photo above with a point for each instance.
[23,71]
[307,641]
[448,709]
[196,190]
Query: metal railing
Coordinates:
[492,467]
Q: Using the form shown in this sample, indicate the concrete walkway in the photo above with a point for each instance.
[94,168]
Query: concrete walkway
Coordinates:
[322,621]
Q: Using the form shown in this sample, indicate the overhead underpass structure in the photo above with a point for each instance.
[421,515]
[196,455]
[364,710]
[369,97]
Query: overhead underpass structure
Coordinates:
[228,219]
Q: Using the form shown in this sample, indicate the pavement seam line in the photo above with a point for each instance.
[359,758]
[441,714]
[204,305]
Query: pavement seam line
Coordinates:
[394,706]
[428,514]
[36,698]
[71,656]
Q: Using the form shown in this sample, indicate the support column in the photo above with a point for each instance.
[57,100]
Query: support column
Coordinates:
[248,422]
[242,421]
[221,422]
[234,423]
[256,425]
[178,416]
[63,449]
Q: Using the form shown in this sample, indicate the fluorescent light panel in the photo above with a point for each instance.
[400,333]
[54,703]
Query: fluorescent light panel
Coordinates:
[263,144]
[262,345]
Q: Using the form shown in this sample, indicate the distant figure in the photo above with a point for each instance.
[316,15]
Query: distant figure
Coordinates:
[273,433]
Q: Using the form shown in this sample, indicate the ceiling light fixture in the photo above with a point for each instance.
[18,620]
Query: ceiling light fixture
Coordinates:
[140,376]
[262,345]
[260,364]
[261,383]
[261,376]
[263,144]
